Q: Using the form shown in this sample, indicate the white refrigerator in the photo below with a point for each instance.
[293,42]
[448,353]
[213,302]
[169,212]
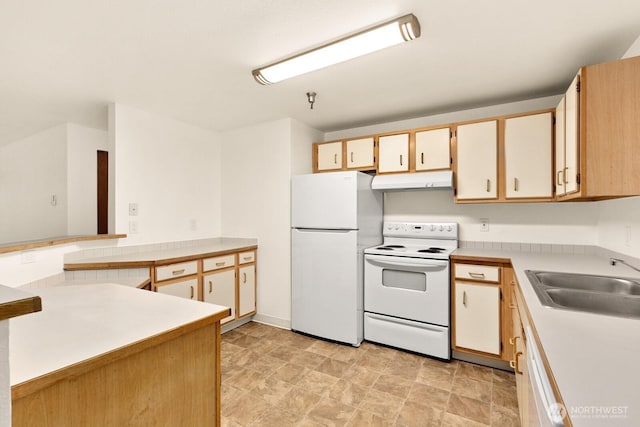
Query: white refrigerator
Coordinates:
[334,216]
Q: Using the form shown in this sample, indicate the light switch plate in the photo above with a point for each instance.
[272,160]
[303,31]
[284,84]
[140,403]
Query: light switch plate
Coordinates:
[484,224]
[133,209]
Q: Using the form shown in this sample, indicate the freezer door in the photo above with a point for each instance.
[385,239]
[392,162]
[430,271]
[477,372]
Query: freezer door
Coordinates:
[325,200]
[326,284]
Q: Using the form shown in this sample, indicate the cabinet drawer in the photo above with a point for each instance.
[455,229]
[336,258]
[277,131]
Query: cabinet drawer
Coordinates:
[218,262]
[176,270]
[482,273]
[246,257]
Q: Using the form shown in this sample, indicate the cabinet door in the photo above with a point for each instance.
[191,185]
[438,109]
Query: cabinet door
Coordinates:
[185,289]
[477,161]
[220,288]
[329,156]
[247,290]
[572,141]
[559,151]
[393,152]
[528,157]
[477,316]
[432,149]
[360,153]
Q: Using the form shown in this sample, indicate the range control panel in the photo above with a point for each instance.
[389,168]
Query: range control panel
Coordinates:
[425,230]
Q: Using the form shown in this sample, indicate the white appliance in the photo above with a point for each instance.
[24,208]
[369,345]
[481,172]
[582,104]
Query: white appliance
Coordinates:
[543,410]
[334,216]
[407,287]
[413,181]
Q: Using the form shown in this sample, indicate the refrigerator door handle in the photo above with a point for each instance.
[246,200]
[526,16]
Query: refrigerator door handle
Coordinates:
[324,230]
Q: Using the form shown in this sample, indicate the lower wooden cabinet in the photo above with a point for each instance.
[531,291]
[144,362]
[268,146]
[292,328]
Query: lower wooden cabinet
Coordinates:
[477,317]
[228,279]
[481,318]
[247,290]
[183,289]
[220,288]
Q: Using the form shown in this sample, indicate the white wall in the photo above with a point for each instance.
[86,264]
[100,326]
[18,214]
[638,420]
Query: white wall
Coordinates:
[171,169]
[257,167]
[555,223]
[619,220]
[31,171]
[82,146]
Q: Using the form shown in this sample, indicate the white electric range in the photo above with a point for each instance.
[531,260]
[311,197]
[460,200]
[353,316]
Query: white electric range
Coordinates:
[407,287]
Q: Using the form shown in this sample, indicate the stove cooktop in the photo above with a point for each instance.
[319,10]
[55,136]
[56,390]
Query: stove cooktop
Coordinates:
[417,240]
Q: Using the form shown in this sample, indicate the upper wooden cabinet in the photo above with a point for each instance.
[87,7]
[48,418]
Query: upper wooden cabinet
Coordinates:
[528,145]
[393,152]
[607,131]
[432,149]
[352,154]
[360,153]
[327,156]
[567,144]
[477,161]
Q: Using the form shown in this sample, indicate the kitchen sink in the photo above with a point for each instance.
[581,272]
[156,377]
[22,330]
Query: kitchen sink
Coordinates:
[614,296]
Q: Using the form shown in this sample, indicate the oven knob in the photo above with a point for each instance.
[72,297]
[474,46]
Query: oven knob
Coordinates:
[449,228]
[433,227]
[441,228]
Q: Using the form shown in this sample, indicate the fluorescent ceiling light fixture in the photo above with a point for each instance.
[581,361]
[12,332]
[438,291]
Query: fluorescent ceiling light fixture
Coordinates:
[390,33]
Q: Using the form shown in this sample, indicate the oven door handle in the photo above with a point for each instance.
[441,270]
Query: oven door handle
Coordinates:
[396,262]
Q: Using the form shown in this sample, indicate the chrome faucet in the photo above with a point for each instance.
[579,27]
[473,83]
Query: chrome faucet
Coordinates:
[614,261]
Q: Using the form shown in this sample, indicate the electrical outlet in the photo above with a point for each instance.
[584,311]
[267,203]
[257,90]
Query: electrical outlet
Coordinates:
[193,225]
[133,209]
[484,224]
[133,227]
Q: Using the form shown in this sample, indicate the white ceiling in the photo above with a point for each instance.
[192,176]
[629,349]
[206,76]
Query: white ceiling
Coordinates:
[65,60]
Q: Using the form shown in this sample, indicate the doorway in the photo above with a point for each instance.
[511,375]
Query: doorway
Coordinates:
[103,192]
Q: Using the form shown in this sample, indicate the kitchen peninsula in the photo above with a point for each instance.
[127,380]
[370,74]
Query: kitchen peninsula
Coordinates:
[106,354]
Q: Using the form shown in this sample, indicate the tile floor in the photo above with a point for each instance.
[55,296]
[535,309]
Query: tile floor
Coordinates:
[274,377]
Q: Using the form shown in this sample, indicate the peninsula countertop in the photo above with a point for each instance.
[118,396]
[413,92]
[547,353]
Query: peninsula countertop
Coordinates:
[593,357]
[80,323]
[141,257]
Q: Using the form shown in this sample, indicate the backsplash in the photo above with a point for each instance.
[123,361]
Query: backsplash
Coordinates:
[549,248]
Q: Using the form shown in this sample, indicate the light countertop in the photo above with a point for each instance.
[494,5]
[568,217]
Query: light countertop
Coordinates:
[78,323]
[593,357]
[212,247]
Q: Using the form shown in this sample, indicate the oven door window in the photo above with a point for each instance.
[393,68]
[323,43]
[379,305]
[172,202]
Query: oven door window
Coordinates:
[402,279]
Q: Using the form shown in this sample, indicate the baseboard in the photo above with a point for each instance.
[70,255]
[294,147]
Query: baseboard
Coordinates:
[479,360]
[272,321]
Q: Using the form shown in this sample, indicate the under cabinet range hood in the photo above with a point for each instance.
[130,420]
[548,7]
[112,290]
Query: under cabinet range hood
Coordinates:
[413,181]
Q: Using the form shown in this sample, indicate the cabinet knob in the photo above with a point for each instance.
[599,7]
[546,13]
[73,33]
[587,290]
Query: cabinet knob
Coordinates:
[210,286]
[220,264]
[566,175]
[177,272]
[464,298]
[191,292]
[476,275]
[422,158]
[352,157]
[400,159]
[335,159]
[488,185]
[558,177]
[244,277]
[515,184]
